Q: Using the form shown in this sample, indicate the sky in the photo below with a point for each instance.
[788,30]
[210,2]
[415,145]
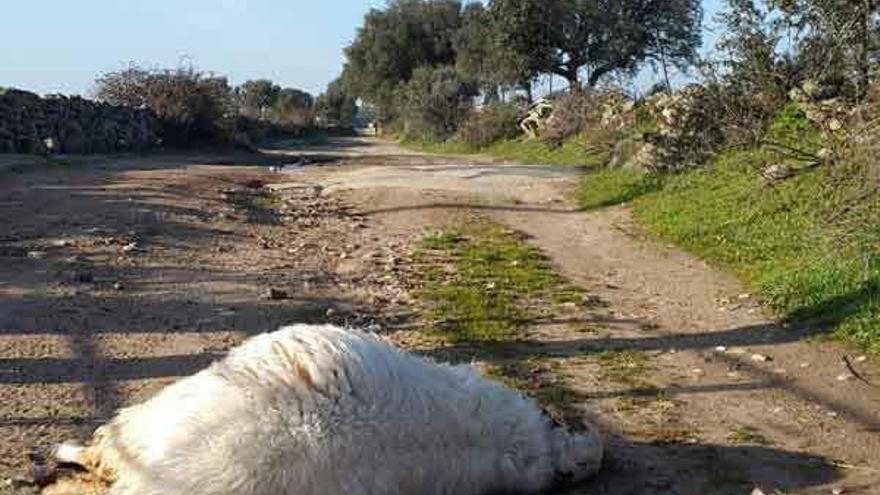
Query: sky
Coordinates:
[60,46]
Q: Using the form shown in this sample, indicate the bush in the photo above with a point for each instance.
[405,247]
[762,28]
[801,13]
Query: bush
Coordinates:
[600,113]
[190,105]
[494,122]
[573,114]
[689,129]
[434,102]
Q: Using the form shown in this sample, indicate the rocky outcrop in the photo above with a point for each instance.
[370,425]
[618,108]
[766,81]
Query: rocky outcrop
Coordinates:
[71,125]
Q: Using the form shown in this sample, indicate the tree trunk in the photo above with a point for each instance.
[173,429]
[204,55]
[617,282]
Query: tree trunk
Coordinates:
[574,82]
[527,86]
[663,63]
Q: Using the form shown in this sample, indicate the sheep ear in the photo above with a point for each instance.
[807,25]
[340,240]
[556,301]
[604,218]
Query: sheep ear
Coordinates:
[68,453]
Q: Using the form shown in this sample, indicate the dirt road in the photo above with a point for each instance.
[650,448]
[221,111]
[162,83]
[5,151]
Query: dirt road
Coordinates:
[119,275]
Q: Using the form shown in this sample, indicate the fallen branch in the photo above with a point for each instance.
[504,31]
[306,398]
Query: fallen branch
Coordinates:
[856,374]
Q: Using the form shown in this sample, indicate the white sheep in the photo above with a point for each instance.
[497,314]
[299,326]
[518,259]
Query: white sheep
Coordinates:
[320,410]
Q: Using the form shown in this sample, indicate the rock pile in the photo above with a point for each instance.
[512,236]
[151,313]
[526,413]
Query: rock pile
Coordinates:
[71,125]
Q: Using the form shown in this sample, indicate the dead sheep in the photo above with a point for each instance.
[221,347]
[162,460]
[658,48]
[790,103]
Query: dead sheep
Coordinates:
[321,410]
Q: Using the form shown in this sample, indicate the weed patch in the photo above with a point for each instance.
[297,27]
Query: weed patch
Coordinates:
[746,435]
[477,282]
[629,367]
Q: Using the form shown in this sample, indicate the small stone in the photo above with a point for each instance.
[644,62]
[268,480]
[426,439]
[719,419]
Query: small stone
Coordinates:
[831,414]
[592,300]
[130,247]
[36,255]
[861,359]
[343,255]
[61,243]
[744,296]
[698,371]
[274,294]
[721,349]
[330,312]
[837,491]
[118,286]
[760,358]
[844,378]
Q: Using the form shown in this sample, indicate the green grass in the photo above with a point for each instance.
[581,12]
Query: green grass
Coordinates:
[789,243]
[613,187]
[529,151]
[478,281]
[628,367]
[451,147]
[743,435]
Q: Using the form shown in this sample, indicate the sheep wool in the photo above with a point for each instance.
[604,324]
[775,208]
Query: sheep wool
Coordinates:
[322,410]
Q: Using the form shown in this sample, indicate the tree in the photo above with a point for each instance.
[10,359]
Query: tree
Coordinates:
[434,102]
[677,37]
[336,107]
[500,46]
[293,106]
[566,37]
[839,40]
[749,46]
[255,98]
[394,42]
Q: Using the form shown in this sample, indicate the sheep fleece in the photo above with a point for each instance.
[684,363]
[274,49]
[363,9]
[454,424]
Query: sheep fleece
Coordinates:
[321,410]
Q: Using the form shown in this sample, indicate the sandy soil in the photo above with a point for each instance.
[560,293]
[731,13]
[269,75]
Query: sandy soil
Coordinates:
[118,275]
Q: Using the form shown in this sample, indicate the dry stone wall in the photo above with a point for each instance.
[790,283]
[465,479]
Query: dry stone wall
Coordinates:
[71,125]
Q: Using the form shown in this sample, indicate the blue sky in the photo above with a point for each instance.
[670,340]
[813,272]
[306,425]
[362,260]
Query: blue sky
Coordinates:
[61,45]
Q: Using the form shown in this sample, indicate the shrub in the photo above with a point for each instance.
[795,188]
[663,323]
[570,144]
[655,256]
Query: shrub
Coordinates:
[606,111]
[494,122]
[434,102]
[689,129]
[573,114]
[190,105]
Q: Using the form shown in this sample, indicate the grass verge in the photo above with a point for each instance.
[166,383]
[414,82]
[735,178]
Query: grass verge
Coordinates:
[809,246]
[574,152]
